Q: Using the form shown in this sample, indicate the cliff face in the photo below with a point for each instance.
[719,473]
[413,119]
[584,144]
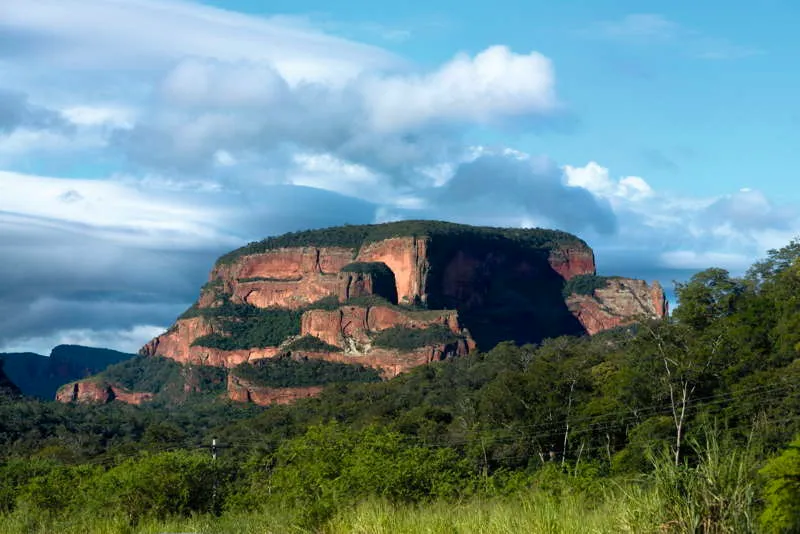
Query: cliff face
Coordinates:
[345,287]
[621,302]
[94,392]
[241,390]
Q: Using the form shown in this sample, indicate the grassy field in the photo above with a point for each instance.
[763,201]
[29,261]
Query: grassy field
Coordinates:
[619,509]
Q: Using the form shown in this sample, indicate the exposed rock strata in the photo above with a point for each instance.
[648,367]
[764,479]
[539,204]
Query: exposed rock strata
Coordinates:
[241,390]
[94,392]
[620,303]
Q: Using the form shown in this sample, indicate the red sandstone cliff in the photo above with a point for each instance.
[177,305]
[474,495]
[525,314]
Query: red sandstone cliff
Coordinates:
[620,303]
[241,390]
[459,277]
[92,391]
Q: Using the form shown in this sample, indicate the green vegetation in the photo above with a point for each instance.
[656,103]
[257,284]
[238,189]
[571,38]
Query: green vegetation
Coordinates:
[406,338]
[148,374]
[311,344]
[782,491]
[687,424]
[356,236]
[170,382]
[247,327]
[585,284]
[287,372]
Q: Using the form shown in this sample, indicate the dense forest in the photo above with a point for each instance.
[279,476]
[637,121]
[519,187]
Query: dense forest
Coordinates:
[687,424]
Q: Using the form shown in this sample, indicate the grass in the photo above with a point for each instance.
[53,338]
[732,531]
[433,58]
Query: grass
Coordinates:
[616,512]
[716,496]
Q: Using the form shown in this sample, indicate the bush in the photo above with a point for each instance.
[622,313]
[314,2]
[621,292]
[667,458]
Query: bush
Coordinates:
[250,327]
[143,373]
[782,491]
[311,344]
[405,338]
[585,284]
[160,485]
[287,372]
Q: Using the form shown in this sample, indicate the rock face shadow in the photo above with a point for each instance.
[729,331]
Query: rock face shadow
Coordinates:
[502,291]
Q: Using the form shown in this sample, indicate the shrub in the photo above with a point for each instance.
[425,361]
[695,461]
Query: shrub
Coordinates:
[143,373]
[585,284]
[287,372]
[249,327]
[311,344]
[405,338]
[782,491]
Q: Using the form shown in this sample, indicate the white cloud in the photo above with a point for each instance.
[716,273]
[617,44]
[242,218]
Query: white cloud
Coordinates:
[99,115]
[495,84]
[125,34]
[107,208]
[596,179]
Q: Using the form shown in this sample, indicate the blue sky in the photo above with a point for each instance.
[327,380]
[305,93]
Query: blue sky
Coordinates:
[139,139]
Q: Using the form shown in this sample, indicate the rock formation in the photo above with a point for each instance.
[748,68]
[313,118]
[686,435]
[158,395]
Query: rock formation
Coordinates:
[394,296]
[93,391]
[241,390]
[619,303]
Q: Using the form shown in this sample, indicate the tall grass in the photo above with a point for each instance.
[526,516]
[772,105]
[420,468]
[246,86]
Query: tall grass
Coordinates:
[717,495]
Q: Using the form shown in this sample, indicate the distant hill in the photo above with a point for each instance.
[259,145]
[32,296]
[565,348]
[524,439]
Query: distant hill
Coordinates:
[41,376]
[7,387]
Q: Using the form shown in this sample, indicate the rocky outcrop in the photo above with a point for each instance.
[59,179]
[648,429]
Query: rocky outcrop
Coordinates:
[96,392]
[569,262]
[394,362]
[241,390]
[177,344]
[620,303]
[483,284]
[351,327]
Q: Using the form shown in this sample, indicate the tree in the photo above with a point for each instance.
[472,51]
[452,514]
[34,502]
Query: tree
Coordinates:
[681,363]
[782,491]
[708,296]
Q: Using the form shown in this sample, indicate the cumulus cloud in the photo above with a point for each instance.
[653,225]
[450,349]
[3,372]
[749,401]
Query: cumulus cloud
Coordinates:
[514,191]
[668,237]
[596,179]
[389,121]
[496,83]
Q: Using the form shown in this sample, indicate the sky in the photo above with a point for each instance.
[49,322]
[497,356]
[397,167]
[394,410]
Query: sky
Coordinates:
[141,139]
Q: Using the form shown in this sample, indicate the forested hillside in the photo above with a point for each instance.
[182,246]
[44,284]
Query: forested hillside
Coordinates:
[679,425]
